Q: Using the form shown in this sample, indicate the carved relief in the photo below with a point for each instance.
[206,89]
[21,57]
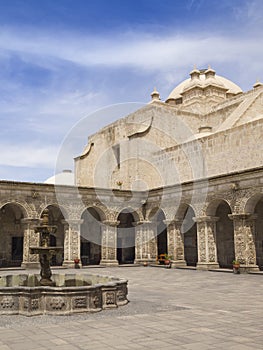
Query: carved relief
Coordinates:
[245,250]
[57,303]
[211,242]
[80,303]
[121,293]
[110,298]
[7,302]
[201,241]
[26,304]
[33,303]
[96,301]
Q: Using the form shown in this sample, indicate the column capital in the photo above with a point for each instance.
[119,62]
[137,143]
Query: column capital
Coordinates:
[73,221]
[29,220]
[176,220]
[111,223]
[142,222]
[242,216]
[206,219]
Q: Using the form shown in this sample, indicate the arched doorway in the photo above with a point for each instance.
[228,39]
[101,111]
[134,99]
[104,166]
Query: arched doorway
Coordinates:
[90,231]
[259,233]
[11,235]
[157,217]
[224,235]
[189,231]
[126,237]
[161,233]
[56,218]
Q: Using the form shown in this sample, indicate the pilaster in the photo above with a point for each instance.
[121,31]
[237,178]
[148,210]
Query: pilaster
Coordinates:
[109,243]
[31,239]
[244,240]
[145,241]
[206,240]
[71,242]
[175,242]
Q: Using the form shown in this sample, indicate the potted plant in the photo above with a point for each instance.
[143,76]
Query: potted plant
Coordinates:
[76,262]
[236,266]
[167,260]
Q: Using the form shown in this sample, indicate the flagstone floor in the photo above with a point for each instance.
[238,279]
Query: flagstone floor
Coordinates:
[169,309]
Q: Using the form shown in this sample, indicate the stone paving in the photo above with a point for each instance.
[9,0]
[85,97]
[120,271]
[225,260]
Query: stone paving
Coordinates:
[169,309]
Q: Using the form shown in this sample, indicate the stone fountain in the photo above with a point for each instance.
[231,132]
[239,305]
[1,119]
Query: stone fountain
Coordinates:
[45,251]
[64,294]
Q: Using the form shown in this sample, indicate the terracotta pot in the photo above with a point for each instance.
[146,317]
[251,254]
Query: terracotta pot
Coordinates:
[236,268]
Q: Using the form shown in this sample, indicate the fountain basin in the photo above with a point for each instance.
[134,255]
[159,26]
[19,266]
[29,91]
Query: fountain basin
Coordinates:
[73,293]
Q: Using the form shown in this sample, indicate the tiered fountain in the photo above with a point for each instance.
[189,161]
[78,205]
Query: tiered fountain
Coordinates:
[64,294]
[45,251]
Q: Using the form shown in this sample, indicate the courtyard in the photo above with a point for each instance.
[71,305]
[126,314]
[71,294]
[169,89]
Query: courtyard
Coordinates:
[169,309]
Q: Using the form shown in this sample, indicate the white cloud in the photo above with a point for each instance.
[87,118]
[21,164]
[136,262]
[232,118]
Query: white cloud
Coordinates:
[28,155]
[137,50]
[81,67]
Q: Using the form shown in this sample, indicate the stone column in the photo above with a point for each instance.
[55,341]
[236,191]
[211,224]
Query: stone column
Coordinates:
[71,242]
[175,242]
[109,243]
[244,240]
[31,239]
[206,241]
[145,241]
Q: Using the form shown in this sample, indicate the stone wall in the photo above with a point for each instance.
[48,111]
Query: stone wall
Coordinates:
[232,150]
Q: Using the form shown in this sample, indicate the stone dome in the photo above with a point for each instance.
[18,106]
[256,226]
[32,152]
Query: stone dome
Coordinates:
[64,178]
[203,78]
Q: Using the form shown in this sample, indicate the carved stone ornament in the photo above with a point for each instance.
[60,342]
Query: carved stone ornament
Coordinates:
[57,303]
[121,293]
[7,302]
[80,303]
[110,298]
[96,301]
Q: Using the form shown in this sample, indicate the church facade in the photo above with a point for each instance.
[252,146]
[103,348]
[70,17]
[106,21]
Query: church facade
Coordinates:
[181,176]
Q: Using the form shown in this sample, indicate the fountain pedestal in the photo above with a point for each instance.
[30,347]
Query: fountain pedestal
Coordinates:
[45,251]
[45,255]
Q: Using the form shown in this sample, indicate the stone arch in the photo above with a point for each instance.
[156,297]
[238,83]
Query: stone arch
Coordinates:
[212,206]
[254,206]
[12,233]
[186,214]
[62,209]
[127,218]
[90,235]
[251,203]
[241,199]
[112,215]
[221,209]
[153,212]
[130,210]
[26,209]
[101,212]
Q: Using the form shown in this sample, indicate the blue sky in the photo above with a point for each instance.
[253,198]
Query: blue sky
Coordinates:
[62,60]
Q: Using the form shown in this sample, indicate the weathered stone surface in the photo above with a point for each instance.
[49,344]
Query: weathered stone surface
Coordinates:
[103,293]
